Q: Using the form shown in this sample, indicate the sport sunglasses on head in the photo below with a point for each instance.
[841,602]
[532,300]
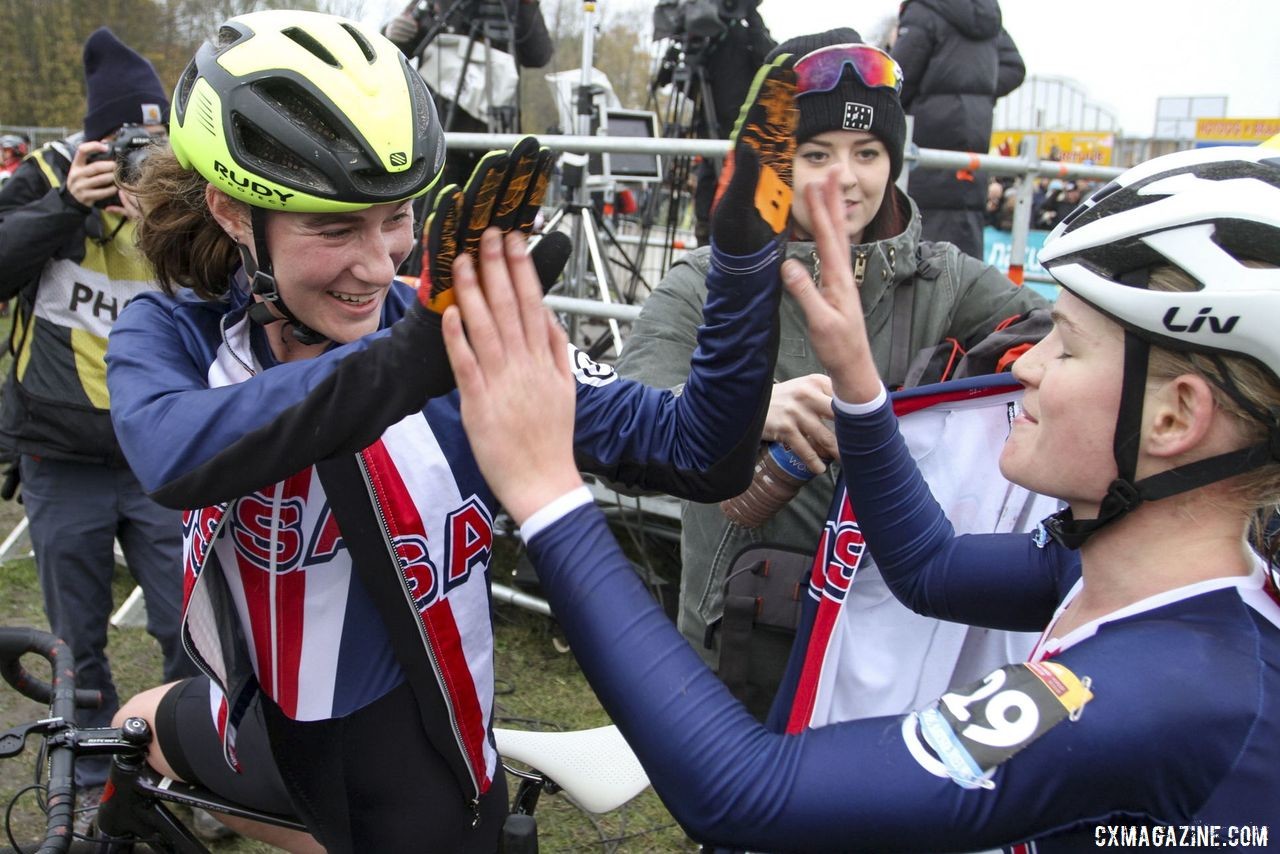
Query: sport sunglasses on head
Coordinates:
[820,70]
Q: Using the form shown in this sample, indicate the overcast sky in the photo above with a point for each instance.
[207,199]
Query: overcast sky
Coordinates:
[1125,53]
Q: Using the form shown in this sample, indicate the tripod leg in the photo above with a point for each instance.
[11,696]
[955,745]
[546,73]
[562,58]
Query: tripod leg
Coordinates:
[598,262]
[551,224]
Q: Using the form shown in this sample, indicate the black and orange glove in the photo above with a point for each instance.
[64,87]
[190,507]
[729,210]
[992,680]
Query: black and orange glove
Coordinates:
[753,201]
[505,190]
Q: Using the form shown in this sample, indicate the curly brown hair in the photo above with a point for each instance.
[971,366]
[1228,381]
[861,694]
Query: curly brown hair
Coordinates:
[177,233]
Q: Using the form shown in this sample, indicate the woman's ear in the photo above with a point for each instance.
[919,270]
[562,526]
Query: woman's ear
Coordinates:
[1180,414]
[227,212]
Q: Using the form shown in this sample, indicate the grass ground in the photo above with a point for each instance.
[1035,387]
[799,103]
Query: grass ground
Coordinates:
[538,684]
[538,687]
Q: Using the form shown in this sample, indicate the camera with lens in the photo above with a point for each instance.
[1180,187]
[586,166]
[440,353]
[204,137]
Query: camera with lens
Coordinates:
[690,20]
[131,146]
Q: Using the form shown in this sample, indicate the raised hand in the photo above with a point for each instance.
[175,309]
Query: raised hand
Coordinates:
[512,369]
[837,327]
[755,197]
[505,190]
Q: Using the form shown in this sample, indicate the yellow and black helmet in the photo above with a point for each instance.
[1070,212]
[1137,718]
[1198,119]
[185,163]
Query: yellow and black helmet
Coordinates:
[303,111]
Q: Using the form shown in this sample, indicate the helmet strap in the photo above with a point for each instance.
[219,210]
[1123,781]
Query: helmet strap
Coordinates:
[262,282]
[1124,494]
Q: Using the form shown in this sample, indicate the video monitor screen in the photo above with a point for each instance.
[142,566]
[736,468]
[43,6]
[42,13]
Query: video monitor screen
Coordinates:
[633,124]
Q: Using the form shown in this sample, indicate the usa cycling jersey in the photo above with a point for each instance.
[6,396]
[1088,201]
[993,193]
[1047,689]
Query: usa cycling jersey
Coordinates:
[1182,728]
[210,422]
[859,652]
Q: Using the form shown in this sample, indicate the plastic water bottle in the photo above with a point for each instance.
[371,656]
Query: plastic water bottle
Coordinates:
[778,476]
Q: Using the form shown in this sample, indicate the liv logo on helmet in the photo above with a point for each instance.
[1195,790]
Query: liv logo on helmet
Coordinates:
[249,184]
[1221,328]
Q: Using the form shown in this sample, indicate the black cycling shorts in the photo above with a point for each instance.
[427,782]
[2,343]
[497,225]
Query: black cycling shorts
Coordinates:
[185,731]
[370,781]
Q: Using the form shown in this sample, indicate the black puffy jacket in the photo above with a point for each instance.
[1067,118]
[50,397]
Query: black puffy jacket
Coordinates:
[956,60]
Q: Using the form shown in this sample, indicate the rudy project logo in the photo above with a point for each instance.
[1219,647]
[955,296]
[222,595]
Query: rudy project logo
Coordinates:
[257,188]
[857,116]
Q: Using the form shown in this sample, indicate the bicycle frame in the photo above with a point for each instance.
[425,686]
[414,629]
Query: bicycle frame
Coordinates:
[594,767]
[133,808]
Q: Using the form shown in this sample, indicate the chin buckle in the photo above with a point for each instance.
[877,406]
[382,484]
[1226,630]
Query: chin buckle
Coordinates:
[1122,496]
[264,285]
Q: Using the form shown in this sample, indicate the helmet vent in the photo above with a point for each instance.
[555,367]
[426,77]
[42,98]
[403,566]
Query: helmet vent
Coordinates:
[310,44]
[377,182]
[425,117]
[363,43]
[227,36]
[293,102]
[268,157]
[185,83]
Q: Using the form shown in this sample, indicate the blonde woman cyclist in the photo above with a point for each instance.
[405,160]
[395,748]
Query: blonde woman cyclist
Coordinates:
[1146,712]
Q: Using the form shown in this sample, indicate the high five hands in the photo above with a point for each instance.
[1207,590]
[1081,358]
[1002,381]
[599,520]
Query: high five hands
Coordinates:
[754,198]
[512,370]
[505,190]
[837,328]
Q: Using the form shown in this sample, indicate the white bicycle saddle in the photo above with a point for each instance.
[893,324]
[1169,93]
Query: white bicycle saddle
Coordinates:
[594,767]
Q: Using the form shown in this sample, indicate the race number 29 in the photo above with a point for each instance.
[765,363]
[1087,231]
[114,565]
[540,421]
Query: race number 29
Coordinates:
[973,731]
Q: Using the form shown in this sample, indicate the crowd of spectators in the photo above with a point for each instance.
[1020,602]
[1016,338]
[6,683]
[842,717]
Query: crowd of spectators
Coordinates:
[1053,199]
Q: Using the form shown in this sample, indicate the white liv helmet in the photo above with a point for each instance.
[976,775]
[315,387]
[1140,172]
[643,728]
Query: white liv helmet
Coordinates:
[1199,211]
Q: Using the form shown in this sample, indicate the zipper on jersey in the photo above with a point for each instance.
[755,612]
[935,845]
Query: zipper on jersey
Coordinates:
[196,658]
[473,802]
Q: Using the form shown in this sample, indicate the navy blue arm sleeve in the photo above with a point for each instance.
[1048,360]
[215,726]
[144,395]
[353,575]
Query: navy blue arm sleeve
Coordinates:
[699,445]
[193,446]
[861,785]
[995,580]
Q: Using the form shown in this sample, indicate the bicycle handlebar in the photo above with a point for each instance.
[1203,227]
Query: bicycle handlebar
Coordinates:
[17,642]
[63,698]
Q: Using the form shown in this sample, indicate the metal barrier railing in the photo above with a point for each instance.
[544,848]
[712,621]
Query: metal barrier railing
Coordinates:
[1025,166]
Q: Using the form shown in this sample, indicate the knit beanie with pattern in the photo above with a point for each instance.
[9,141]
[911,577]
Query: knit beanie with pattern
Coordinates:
[852,105]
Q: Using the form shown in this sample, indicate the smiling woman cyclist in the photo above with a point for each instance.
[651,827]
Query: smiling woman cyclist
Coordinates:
[1150,699]
[294,398]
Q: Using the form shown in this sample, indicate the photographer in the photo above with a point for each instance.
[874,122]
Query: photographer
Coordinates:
[67,255]
[501,30]
[514,27]
[723,41]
